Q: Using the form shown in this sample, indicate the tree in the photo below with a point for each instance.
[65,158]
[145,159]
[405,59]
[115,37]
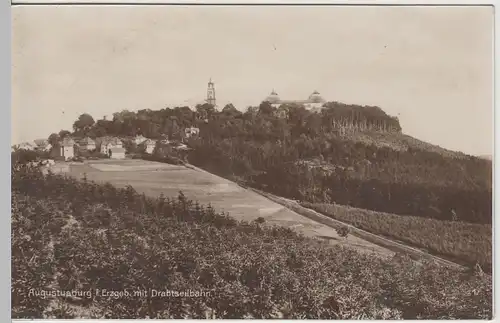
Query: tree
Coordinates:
[64,133]
[103,128]
[84,123]
[205,110]
[266,108]
[252,111]
[54,139]
[343,231]
[229,109]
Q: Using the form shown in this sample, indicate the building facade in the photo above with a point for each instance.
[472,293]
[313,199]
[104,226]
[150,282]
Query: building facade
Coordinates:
[148,145]
[87,144]
[211,93]
[191,131]
[67,148]
[106,143]
[314,102]
[117,153]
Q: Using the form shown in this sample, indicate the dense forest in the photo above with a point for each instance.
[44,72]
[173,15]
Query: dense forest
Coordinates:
[310,156]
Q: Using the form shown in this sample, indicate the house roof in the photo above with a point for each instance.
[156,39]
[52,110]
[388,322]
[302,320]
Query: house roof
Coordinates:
[191,129]
[29,144]
[117,150]
[41,142]
[110,140]
[148,142]
[139,139]
[87,141]
[182,147]
[67,142]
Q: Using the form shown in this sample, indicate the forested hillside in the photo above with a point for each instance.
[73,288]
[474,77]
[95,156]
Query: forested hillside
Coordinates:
[346,154]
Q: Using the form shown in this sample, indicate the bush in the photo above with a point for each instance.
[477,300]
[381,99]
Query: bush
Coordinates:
[464,242]
[72,235]
[260,220]
[343,231]
[23,156]
[163,159]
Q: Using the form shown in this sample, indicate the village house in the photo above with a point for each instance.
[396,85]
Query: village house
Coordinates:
[139,139]
[191,131]
[164,141]
[87,144]
[117,153]
[106,143]
[27,146]
[148,145]
[42,145]
[66,148]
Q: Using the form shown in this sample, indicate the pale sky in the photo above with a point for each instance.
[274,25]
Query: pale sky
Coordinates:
[430,66]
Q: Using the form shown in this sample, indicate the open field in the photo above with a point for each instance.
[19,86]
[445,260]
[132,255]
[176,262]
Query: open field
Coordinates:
[154,179]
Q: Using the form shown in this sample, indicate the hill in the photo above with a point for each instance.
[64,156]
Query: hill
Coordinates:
[124,252]
[487,157]
[401,142]
[364,158]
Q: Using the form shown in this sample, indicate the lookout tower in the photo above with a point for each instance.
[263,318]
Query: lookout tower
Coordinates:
[211,93]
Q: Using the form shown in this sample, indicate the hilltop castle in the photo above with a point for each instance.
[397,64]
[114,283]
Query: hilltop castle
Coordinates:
[314,102]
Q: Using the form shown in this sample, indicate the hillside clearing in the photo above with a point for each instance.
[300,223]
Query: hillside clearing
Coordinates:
[206,188]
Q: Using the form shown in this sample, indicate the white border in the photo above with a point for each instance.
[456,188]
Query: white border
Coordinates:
[269,2]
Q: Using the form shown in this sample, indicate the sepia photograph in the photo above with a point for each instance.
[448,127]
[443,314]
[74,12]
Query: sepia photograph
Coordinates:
[252,162]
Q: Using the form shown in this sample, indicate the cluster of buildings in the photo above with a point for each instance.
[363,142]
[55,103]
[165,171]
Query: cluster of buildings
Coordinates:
[112,147]
[109,146]
[314,102]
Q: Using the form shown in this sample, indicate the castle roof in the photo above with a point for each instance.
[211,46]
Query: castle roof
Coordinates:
[273,97]
[315,97]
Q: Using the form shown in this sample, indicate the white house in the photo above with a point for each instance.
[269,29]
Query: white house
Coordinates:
[87,144]
[109,142]
[191,131]
[42,144]
[47,162]
[117,153]
[67,148]
[149,145]
[27,146]
[139,139]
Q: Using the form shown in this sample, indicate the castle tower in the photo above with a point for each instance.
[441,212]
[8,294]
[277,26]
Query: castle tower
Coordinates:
[211,93]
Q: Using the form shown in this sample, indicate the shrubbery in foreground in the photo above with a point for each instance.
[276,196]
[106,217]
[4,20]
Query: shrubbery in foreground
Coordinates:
[466,242]
[70,235]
